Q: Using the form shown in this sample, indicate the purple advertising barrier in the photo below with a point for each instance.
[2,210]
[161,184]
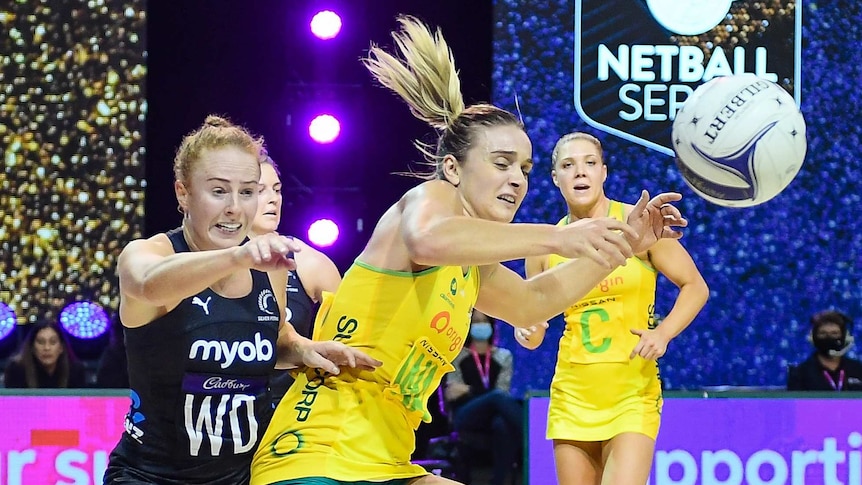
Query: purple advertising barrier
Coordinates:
[737,441]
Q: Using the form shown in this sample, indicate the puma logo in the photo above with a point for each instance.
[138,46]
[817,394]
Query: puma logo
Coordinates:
[203,304]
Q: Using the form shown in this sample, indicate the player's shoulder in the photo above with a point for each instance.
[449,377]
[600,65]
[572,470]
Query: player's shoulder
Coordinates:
[435,189]
[158,244]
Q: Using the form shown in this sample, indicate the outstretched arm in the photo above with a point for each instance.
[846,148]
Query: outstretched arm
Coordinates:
[505,295]
[294,350]
[532,337]
[150,271]
[437,232]
[153,279]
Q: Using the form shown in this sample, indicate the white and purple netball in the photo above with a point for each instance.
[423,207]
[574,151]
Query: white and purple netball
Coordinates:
[739,140]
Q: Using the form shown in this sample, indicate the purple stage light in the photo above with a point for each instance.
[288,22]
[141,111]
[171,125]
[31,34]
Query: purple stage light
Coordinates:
[84,319]
[323,232]
[8,319]
[326,24]
[324,129]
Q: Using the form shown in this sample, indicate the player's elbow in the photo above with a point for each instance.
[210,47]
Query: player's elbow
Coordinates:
[423,248]
[701,289]
[146,291]
[145,288]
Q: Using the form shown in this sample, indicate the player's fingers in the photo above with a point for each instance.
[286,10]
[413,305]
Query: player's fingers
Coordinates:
[620,227]
[291,244]
[288,263]
[612,255]
[322,362]
[366,361]
[668,210]
[330,367]
[347,354]
[675,221]
[596,255]
[642,202]
[254,252]
[669,233]
[646,350]
[621,243]
[665,197]
[262,245]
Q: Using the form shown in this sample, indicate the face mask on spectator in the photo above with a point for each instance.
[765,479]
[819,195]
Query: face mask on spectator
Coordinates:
[481,331]
[828,346]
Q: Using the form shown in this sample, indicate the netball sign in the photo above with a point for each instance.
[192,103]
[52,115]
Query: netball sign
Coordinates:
[636,61]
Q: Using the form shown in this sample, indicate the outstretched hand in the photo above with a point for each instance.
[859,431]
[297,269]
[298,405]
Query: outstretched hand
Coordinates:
[654,219]
[268,252]
[330,355]
[605,240]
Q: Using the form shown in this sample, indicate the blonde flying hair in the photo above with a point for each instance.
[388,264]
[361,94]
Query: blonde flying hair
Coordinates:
[424,75]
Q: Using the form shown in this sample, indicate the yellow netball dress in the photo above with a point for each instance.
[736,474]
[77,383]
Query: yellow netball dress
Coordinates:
[360,425]
[597,391]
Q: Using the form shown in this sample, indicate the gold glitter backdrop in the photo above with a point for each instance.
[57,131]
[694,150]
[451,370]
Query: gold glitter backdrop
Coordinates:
[72,113]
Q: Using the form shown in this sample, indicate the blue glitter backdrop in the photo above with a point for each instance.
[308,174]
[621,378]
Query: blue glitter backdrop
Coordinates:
[769,267]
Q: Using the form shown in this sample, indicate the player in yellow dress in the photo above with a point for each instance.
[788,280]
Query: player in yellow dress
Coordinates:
[433,257]
[606,393]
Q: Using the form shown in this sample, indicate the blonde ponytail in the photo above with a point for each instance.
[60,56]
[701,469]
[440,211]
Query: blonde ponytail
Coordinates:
[424,75]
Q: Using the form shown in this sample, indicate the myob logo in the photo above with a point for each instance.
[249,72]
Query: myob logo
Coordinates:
[689,17]
[226,352]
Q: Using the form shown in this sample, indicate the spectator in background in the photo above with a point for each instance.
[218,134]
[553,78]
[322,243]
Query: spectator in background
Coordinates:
[478,393]
[45,360]
[113,370]
[828,369]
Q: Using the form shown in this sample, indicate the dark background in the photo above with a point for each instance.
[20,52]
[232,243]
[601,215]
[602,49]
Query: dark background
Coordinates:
[258,63]
[769,267]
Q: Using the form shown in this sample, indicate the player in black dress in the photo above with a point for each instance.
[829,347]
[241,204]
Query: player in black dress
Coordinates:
[203,309]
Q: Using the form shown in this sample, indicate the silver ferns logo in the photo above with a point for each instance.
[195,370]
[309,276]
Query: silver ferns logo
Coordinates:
[268,304]
[637,61]
[266,301]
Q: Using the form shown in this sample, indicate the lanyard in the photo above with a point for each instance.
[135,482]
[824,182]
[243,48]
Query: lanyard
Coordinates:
[840,383]
[484,372]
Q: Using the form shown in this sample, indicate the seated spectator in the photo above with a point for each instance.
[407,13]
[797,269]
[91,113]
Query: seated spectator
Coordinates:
[44,360]
[113,369]
[828,369]
[478,395]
